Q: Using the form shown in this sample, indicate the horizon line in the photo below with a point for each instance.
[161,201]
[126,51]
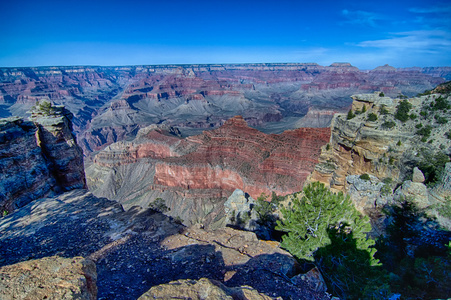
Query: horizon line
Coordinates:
[211,64]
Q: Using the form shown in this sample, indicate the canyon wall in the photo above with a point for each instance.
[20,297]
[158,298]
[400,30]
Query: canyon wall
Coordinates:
[112,103]
[38,158]
[196,174]
[376,158]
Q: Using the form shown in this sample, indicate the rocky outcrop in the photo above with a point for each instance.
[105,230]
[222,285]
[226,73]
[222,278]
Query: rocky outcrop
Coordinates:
[203,288]
[137,250]
[209,166]
[385,150]
[112,103]
[58,144]
[49,278]
[316,118]
[38,158]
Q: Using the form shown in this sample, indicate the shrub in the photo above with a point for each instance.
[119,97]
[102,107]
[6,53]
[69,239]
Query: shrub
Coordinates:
[448,135]
[364,177]
[440,120]
[432,166]
[383,110]
[265,210]
[327,147]
[425,131]
[398,143]
[350,115]
[402,110]
[178,220]
[159,205]
[413,116]
[44,106]
[441,103]
[388,124]
[418,126]
[372,117]
[391,160]
[387,180]
[386,190]
[363,109]
[381,94]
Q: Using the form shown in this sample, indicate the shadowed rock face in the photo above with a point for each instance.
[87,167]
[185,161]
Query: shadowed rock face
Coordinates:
[38,158]
[112,103]
[194,173]
[138,249]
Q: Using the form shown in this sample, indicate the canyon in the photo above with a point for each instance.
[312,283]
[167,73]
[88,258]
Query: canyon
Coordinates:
[109,250]
[195,175]
[201,141]
[112,103]
[62,242]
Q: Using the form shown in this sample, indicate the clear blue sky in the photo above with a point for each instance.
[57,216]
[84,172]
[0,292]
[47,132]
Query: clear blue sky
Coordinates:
[364,33]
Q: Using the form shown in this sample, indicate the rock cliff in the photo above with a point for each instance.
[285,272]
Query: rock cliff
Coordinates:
[373,142]
[112,103]
[194,173]
[38,157]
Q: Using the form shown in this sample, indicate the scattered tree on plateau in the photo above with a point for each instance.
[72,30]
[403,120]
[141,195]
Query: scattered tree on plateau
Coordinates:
[309,221]
[326,228]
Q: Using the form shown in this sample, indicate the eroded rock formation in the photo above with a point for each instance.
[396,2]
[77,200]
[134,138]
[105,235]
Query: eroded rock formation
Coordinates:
[194,173]
[38,158]
[113,103]
[385,149]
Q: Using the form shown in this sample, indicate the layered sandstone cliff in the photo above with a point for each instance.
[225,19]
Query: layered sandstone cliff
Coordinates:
[388,150]
[38,157]
[112,103]
[194,173]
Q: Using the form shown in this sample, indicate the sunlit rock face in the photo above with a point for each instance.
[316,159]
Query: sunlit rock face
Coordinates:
[194,173]
[387,152]
[38,158]
[111,104]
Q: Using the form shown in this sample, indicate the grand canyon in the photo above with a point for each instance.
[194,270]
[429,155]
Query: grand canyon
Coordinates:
[102,145]
[111,103]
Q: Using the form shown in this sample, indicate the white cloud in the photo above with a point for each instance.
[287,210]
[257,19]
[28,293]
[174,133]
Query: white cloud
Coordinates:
[427,41]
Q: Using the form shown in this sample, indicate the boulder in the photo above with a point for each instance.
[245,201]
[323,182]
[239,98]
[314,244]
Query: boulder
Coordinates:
[415,191]
[417,175]
[202,289]
[49,278]
[367,194]
[313,278]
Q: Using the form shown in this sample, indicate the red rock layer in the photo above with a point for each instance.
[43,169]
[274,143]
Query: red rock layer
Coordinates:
[222,160]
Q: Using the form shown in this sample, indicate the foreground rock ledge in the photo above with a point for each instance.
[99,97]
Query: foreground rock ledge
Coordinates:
[202,289]
[49,278]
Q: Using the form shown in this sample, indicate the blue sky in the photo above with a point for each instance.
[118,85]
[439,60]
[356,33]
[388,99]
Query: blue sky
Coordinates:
[365,33]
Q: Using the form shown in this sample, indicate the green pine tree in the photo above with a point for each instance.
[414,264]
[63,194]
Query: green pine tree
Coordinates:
[326,228]
[308,221]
